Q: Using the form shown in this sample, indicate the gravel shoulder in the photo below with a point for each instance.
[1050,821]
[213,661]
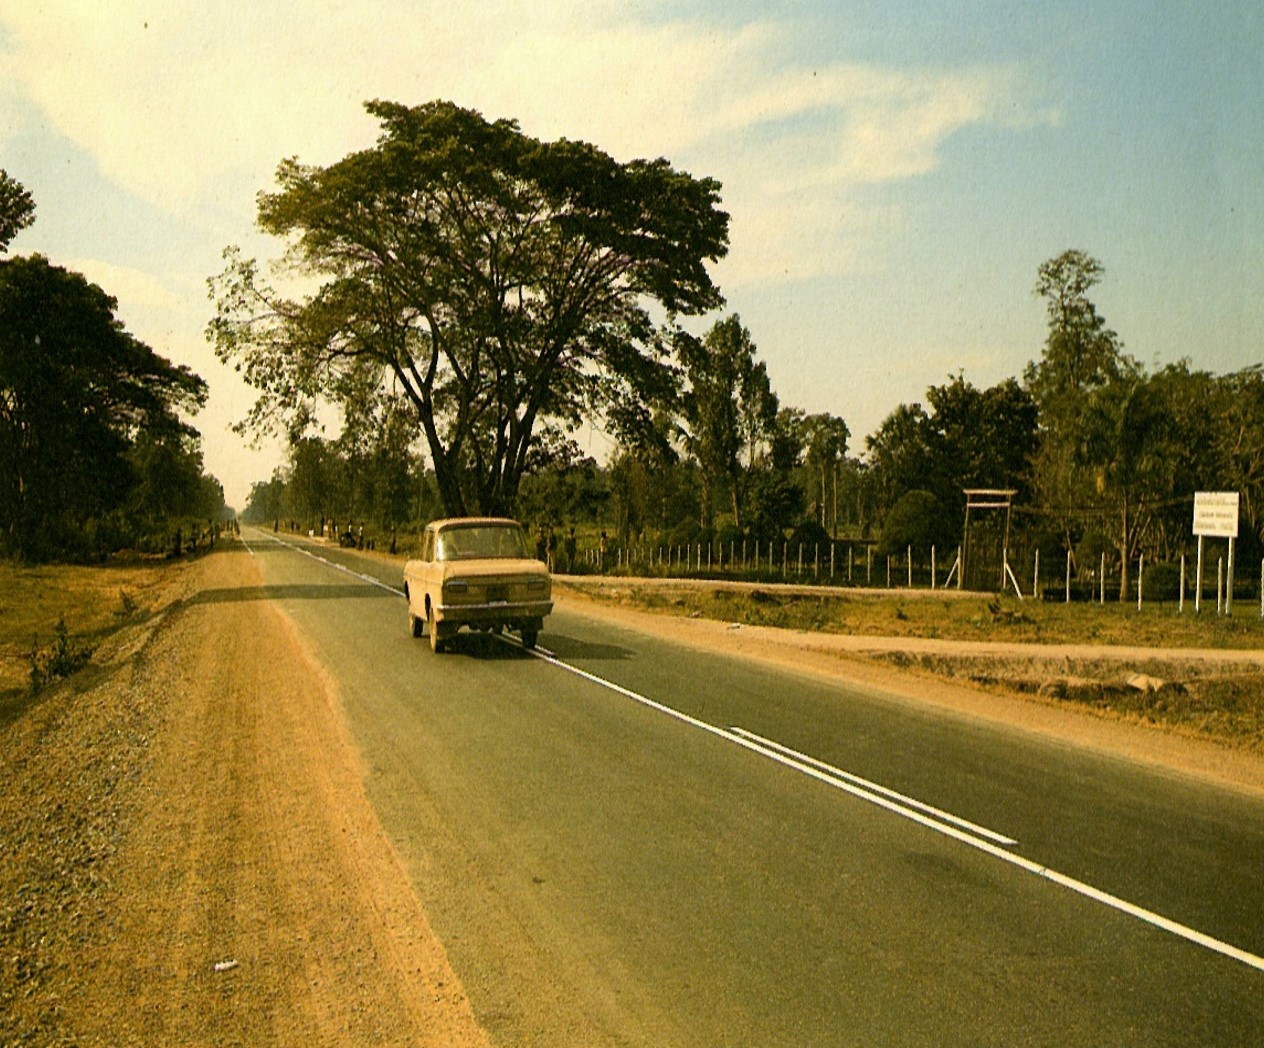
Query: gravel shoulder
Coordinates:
[190,856]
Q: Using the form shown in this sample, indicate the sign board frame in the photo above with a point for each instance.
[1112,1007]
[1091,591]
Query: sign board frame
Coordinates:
[1216,514]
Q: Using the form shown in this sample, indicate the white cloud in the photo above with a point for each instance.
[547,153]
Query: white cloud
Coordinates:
[136,290]
[185,102]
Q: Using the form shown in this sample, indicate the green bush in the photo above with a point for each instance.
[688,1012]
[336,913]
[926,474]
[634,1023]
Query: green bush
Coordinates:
[919,520]
[49,664]
[1161,581]
[810,535]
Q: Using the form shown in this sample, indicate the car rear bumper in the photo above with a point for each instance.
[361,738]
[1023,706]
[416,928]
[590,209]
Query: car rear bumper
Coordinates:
[500,613]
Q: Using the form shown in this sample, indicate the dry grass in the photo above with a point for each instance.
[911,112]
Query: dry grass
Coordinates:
[948,616]
[91,601]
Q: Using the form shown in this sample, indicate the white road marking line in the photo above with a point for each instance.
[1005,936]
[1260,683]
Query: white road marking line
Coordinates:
[866,784]
[340,567]
[1156,920]
[981,844]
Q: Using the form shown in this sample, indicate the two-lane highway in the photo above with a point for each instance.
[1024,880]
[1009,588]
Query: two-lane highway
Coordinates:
[622,841]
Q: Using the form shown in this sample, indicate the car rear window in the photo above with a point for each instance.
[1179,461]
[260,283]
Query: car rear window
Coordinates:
[480,541]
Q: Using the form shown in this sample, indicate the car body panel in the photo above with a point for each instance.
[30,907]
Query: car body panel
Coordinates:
[476,572]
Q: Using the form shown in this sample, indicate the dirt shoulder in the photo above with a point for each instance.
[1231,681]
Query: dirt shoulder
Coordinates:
[921,672]
[190,857]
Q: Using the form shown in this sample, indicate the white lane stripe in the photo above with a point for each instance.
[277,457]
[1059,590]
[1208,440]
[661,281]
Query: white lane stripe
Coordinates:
[340,567]
[748,742]
[900,798]
[1156,920]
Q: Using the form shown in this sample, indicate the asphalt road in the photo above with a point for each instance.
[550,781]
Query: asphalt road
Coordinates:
[630,843]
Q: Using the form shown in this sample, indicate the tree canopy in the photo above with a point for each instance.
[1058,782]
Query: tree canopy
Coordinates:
[728,408]
[500,284]
[17,209]
[970,438]
[76,392]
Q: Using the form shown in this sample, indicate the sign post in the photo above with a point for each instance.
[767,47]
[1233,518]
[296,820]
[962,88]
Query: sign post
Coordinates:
[1215,515]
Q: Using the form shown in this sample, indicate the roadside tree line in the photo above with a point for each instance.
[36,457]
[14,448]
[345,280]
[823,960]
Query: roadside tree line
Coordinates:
[95,450]
[482,296]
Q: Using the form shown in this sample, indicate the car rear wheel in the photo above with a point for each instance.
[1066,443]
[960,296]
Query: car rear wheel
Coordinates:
[529,637]
[415,625]
[436,643]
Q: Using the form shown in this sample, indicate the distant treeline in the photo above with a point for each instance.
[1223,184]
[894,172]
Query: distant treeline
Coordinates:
[1102,455]
[95,452]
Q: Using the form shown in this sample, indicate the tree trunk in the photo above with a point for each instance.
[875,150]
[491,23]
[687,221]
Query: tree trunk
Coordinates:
[1124,556]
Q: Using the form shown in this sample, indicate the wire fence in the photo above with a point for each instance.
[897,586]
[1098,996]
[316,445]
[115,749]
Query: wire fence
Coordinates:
[860,565]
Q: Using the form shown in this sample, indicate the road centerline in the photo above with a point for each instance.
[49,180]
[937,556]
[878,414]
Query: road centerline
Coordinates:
[804,765]
[948,829]
[869,785]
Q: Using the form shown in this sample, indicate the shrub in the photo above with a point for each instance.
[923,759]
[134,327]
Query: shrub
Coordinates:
[919,520]
[1161,581]
[49,664]
[809,534]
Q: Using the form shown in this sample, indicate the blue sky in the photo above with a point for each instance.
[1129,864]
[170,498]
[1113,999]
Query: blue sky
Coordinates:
[895,171]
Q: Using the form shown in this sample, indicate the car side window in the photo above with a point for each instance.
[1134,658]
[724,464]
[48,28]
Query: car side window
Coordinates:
[427,546]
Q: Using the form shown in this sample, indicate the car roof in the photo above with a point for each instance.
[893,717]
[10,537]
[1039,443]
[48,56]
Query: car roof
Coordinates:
[459,522]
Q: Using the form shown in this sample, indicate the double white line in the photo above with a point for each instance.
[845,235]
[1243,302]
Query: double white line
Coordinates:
[981,839]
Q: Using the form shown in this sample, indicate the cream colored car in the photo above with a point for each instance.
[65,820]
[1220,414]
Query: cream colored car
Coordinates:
[476,572]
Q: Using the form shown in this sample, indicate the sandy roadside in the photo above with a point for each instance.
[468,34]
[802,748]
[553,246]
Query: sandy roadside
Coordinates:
[238,888]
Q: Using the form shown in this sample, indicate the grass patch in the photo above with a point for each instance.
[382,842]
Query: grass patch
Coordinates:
[906,613]
[52,617]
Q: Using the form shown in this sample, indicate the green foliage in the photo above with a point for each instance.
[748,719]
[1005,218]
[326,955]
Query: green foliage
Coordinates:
[17,209]
[1162,582]
[919,520]
[573,490]
[728,408]
[826,439]
[1104,457]
[497,281]
[63,658]
[82,405]
[1081,354]
[776,505]
[969,438]
[810,535]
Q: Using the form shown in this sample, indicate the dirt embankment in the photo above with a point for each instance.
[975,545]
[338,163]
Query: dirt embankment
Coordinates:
[189,855]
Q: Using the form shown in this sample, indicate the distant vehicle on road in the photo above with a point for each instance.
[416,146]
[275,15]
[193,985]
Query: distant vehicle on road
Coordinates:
[476,572]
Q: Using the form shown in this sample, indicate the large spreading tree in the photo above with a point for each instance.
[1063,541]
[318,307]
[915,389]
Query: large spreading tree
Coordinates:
[503,286]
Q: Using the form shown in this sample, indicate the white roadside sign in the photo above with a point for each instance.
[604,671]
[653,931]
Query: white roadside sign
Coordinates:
[1216,514]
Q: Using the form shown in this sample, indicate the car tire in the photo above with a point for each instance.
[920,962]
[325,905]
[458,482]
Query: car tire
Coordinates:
[436,644]
[415,625]
[529,637]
